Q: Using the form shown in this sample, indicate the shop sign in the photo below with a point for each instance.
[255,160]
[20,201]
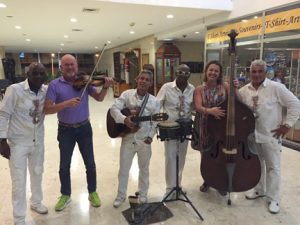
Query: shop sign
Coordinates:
[283,21]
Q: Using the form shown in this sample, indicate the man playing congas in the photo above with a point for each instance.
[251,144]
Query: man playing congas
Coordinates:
[176,99]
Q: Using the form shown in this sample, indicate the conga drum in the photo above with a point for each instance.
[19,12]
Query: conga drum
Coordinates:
[168,130]
[186,126]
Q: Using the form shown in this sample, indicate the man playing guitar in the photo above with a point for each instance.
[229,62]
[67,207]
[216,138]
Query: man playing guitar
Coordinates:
[138,141]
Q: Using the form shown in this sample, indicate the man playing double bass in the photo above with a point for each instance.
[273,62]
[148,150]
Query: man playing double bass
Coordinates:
[266,98]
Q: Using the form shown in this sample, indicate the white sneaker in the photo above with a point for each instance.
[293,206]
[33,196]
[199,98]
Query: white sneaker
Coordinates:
[118,202]
[251,195]
[20,223]
[274,207]
[171,196]
[40,208]
[143,199]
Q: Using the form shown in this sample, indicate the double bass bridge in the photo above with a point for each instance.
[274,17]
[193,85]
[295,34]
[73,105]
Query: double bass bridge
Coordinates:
[229,151]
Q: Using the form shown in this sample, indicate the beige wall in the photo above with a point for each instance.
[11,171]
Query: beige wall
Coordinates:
[145,44]
[190,51]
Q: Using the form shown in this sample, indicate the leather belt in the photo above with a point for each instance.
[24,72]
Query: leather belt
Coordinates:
[74,125]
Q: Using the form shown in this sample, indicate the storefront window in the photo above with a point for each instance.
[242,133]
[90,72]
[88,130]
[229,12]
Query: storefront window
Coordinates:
[274,37]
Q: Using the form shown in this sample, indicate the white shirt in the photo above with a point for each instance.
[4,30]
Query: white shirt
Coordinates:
[130,99]
[171,99]
[271,97]
[21,114]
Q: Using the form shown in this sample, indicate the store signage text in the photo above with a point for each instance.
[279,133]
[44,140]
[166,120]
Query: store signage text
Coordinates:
[283,21]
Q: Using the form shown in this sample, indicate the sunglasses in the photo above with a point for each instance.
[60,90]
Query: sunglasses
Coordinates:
[182,73]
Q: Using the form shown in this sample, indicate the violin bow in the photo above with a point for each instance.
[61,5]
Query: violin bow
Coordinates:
[92,74]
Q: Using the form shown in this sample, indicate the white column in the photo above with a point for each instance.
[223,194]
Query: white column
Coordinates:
[18,67]
[2,55]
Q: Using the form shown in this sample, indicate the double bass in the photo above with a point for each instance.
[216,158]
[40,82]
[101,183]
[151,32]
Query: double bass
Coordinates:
[228,164]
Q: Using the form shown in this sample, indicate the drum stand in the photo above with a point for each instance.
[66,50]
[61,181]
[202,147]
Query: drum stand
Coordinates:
[177,189]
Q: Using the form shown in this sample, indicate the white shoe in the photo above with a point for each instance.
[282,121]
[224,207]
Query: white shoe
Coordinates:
[143,199]
[253,195]
[40,208]
[20,223]
[274,207]
[118,202]
[171,196]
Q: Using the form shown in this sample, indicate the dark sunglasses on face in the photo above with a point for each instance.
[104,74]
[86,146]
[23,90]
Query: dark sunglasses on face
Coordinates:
[183,73]
[35,73]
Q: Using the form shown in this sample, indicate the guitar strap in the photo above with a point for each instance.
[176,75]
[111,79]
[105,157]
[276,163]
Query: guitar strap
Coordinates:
[144,104]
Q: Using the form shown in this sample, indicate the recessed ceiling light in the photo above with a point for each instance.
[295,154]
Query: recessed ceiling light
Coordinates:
[150,24]
[9,16]
[197,32]
[62,44]
[18,27]
[52,54]
[28,40]
[90,10]
[96,55]
[170,16]
[255,17]
[96,47]
[244,21]
[168,39]
[108,42]
[66,36]
[73,20]
[131,32]
[2,5]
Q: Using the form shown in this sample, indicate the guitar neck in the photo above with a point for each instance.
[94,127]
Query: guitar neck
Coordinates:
[141,118]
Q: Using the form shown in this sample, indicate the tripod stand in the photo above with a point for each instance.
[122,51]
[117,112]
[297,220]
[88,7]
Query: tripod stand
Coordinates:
[177,189]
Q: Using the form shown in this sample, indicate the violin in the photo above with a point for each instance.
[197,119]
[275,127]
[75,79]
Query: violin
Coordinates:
[82,80]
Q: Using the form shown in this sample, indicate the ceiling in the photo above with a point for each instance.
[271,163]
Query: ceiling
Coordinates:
[45,22]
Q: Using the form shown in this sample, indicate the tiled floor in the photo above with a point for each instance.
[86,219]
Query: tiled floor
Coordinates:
[211,205]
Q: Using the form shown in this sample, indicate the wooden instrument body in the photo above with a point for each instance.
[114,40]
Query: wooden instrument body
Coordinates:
[214,162]
[228,164]
[115,130]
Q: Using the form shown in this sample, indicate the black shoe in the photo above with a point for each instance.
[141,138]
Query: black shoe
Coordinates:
[204,187]
[223,193]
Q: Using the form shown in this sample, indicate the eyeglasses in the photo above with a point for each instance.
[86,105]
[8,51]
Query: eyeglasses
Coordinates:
[36,73]
[182,73]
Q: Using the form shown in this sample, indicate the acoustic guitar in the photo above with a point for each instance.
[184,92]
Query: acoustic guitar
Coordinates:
[120,130]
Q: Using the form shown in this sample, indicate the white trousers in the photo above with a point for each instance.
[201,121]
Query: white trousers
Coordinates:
[270,160]
[171,148]
[20,157]
[127,152]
